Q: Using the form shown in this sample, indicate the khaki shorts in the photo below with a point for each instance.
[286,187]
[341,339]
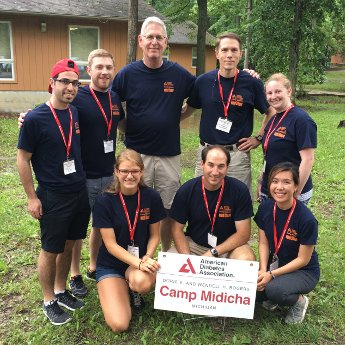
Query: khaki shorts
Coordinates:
[197,249]
[163,174]
[239,167]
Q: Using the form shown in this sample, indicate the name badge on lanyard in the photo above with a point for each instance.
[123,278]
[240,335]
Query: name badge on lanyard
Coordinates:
[211,239]
[108,146]
[275,263]
[134,250]
[224,125]
[69,167]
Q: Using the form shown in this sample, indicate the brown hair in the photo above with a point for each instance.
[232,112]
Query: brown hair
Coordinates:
[125,156]
[280,167]
[208,148]
[230,35]
[280,77]
[99,53]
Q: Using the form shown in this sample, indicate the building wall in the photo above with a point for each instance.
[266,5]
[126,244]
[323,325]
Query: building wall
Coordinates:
[35,52]
[337,60]
[183,55]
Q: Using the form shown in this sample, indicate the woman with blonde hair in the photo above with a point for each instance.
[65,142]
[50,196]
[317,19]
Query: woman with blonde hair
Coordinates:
[128,215]
[290,136]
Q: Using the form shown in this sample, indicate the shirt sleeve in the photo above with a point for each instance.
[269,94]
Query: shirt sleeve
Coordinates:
[101,212]
[243,207]
[179,208]
[306,133]
[29,135]
[157,209]
[309,232]
[260,102]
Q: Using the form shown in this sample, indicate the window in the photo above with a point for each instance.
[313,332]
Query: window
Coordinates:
[194,57]
[166,54]
[82,40]
[6,52]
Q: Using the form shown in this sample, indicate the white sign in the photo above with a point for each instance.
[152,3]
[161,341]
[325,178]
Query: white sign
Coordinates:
[203,285]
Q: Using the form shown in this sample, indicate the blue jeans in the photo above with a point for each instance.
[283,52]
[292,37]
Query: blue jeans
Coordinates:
[95,186]
[285,289]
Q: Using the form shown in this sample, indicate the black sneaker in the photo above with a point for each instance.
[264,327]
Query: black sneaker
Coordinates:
[91,275]
[137,300]
[67,300]
[77,286]
[55,314]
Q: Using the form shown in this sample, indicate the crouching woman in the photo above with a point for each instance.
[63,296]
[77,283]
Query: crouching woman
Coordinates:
[288,231]
[128,215]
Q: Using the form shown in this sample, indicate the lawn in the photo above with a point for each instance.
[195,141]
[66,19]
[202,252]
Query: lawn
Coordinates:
[21,317]
[334,81]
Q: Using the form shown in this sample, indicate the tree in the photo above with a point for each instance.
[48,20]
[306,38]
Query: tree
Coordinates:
[132,30]
[201,37]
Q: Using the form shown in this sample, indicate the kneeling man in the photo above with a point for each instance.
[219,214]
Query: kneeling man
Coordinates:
[217,208]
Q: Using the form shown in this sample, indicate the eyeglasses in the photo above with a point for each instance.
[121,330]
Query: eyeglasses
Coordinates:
[125,172]
[159,38]
[66,82]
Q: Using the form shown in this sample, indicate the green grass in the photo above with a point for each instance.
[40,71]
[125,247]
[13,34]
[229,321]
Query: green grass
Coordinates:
[21,317]
[335,81]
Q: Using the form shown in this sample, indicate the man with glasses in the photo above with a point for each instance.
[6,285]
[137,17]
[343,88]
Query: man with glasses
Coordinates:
[100,112]
[154,91]
[50,141]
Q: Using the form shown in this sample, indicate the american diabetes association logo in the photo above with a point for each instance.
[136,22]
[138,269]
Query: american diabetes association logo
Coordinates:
[207,267]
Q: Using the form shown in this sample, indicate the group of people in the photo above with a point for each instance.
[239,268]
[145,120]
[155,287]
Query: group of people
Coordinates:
[137,201]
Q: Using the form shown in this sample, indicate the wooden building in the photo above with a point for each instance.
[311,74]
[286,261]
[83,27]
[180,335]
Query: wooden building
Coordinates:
[35,34]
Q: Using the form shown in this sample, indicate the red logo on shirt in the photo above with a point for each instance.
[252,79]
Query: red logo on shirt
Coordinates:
[169,86]
[76,126]
[145,214]
[115,110]
[224,212]
[188,267]
[280,132]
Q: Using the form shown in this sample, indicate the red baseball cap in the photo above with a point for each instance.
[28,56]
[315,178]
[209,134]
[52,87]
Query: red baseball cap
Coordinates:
[63,66]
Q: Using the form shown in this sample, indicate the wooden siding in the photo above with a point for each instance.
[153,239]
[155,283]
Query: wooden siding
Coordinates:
[35,52]
[183,55]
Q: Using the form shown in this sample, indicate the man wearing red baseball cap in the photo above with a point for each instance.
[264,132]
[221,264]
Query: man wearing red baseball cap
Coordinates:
[50,141]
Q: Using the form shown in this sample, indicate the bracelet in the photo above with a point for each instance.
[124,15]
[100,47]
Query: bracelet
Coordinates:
[140,264]
[272,275]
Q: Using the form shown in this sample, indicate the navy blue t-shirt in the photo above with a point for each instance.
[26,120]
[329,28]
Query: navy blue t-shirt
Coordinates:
[188,206]
[154,99]
[296,132]
[108,213]
[248,94]
[40,136]
[303,229]
[94,130]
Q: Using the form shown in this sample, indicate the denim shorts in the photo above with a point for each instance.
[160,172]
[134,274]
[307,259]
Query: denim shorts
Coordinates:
[108,272]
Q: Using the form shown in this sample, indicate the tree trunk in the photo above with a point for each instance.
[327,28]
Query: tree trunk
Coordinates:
[247,50]
[132,30]
[201,39]
[294,48]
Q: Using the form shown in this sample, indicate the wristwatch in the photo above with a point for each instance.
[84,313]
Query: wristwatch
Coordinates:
[258,137]
[214,252]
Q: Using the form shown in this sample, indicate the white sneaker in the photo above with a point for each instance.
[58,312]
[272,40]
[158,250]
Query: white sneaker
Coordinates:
[297,312]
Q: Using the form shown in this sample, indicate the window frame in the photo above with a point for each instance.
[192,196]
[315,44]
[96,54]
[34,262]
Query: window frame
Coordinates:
[194,57]
[9,61]
[82,62]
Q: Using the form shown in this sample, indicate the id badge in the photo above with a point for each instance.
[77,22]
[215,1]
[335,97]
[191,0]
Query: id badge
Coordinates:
[211,240]
[275,263]
[264,166]
[108,146]
[133,250]
[224,125]
[69,167]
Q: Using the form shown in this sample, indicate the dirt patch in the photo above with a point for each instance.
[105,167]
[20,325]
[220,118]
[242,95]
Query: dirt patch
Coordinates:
[8,115]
